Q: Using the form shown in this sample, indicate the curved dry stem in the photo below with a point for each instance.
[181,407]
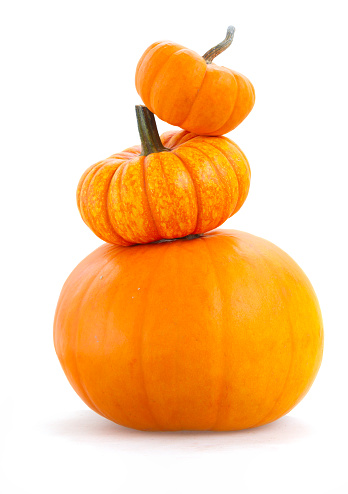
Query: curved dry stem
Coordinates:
[216,50]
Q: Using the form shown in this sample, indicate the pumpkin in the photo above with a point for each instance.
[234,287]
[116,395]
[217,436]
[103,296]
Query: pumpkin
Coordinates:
[219,332]
[190,91]
[173,186]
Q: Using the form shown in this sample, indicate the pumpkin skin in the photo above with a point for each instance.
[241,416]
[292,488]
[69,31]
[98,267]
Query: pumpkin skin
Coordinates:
[191,188]
[183,89]
[221,332]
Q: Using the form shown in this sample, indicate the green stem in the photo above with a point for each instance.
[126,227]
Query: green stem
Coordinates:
[214,52]
[149,137]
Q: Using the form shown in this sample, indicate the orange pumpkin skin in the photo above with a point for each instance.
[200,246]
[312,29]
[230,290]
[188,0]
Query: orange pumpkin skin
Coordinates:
[222,332]
[181,88]
[196,186]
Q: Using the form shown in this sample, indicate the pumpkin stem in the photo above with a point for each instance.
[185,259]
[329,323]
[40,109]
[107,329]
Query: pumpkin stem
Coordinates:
[214,52]
[150,139]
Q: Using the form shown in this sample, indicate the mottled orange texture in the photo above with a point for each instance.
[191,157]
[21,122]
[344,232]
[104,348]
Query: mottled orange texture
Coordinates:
[181,88]
[221,332]
[192,188]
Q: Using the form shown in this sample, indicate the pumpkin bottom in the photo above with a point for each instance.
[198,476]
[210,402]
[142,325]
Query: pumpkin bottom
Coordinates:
[219,333]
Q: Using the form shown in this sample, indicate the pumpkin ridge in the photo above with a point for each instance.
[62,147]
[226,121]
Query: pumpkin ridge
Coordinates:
[234,171]
[78,373]
[156,75]
[80,186]
[78,317]
[194,99]
[150,83]
[243,238]
[124,215]
[218,174]
[141,60]
[250,87]
[85,192]
[115,254]
[115,187]
[198,201]
[93,220]
[140,320]
[88,212]
[291,332]
[165,179]
[213,132]
[241,152]
[285,259]
[233,106]
[146,191]
[106,208]
[223,357]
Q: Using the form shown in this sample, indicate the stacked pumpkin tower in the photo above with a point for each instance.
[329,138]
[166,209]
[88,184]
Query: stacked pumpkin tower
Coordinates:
[170,325]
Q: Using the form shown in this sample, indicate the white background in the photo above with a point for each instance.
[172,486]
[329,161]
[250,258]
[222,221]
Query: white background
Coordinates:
[67,101]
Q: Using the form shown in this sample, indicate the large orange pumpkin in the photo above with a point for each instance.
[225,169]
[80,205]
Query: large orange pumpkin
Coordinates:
[187,90]
[173,186]
[220,332]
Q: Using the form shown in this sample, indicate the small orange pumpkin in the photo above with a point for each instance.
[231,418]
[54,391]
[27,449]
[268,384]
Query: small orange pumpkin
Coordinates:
[174,186]
[220,332]
[187,90]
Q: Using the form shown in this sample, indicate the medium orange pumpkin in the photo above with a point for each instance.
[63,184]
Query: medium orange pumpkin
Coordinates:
[187,90]
[220,332]
[174,186]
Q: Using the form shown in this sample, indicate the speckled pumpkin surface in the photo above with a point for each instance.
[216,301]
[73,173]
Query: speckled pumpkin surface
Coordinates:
[186,184]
